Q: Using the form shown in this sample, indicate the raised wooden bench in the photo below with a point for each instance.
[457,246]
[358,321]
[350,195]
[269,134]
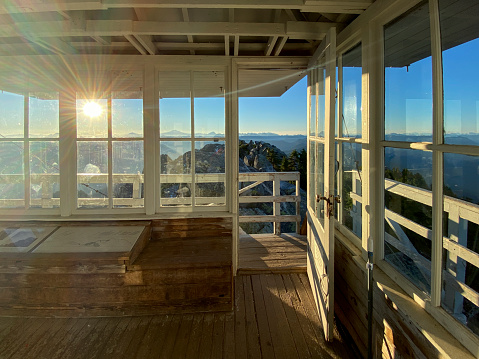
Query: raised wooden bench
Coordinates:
[181,269]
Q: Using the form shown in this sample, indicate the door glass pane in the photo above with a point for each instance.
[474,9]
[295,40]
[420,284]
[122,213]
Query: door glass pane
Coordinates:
[92,178]
[175,104]
[408,77]
[312,78]
[351,92]
[210,173]
[128,173]
[43,114]
[320,207]
[175,173]
[44,174]
[408,198]
[461,200]
[209,93]
[11,114]
[12,190]
[92,118]
[460,45]
[312,173]
[321,100]
[352,184]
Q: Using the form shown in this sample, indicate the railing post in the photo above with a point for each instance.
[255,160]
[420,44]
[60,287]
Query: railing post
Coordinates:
[276,205]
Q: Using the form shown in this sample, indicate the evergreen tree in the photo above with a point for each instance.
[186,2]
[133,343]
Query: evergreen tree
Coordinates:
[284,164]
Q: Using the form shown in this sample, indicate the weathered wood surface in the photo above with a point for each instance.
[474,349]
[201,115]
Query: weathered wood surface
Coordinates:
[191,272]
[261,253]
[273,317]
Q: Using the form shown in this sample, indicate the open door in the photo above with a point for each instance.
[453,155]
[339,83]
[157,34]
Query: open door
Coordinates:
[321,198]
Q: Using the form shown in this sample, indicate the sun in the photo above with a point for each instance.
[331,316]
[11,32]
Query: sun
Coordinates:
[92,109]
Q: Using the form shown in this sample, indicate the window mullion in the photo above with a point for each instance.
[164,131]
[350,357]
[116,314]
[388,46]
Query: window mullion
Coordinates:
[110,153]
[193,144]
[26,150]
[438,139]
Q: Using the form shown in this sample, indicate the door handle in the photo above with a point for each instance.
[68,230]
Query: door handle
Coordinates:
[330,201]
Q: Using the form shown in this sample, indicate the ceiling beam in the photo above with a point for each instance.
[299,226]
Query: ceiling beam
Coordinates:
[280,46]
[147,43]
[227,45]
[270,46]
[102,40]
[136,44]
[186,18]
[236,46]
[329,6]
[56,46]
[292,29]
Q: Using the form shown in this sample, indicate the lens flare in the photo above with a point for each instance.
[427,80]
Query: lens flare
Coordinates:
[92,109]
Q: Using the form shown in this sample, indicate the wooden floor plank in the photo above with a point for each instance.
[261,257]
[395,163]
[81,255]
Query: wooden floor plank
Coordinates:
[78,345]
[229,340]
[252,334]
[20,337]
[218,336]
[113,344]
[280,347]
[206,344]
[63,343]
[240,322]
[263,324]
[154,337]
[295,326]
[183,337]
[281,319]
[195,336]
[98,338]
[169,342]
[138,333]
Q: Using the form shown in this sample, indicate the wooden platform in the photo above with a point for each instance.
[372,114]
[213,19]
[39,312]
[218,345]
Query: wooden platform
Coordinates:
[269,253]
[274,317]
[186,266]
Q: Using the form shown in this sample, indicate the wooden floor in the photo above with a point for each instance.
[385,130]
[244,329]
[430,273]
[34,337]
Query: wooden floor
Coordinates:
[269,253]
[274,317]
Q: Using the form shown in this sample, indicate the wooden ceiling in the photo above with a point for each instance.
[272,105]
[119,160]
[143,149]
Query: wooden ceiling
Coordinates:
[171,27]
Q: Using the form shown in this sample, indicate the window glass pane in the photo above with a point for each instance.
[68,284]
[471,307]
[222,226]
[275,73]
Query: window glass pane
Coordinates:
[44,174]
[312,171]
[461,206]
[175,104]
[12,190]
[92,169]
[351,93]
[352,185]
[127,173]
[312,98]
[210,173]
[209,104]
[407,246]
[460,45]
[92,118]
[11,114]
[408,77]
[127,114]
[43,114]
[321,99]
[175,173]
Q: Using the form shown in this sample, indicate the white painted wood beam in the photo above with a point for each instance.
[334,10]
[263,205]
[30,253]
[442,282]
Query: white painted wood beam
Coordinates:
[329,6]
[186,18]
[136,44]
[57,46]
[236,46]
[102,40]
[78,21]
[292,29]
[270,46]
[280,46]
[147,43]
[227,45]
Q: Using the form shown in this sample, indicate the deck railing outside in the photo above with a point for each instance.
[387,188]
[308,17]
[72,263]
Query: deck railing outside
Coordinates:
[459,214]
[46,182]
[258,178]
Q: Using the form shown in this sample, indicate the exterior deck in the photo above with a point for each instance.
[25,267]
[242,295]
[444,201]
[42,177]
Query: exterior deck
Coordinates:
[274,317]
[270,253]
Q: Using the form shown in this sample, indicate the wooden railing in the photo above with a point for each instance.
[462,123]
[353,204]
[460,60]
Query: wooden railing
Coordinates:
[460,213]
[275,198]
[90,180]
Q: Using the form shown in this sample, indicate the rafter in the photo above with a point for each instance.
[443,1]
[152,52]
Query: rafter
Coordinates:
[186,18]
[136,44]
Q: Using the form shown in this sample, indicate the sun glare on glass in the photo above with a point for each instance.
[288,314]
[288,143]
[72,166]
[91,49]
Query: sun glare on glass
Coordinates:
[92,109]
